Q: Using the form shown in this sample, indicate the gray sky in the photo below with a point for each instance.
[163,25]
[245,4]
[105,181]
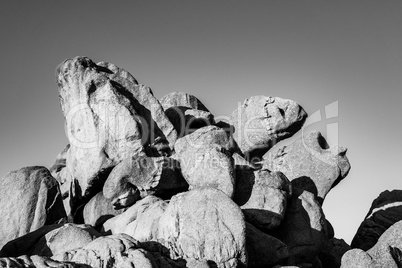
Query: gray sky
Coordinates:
[314,52]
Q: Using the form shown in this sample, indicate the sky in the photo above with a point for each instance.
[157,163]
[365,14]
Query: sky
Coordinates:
[317,53]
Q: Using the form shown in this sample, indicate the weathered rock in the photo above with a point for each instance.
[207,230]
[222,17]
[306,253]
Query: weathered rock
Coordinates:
[332,252]
[385,210]
[109,117]
[181,99]
[262,196]
[381,252]
[139,176]
[113,252]
[30,198]
[204,137]
[139,221]
[309,163]
[303,228]
[186,120]
[50,240]
[205,159]
[61,174]
[357,258]
[59,164]
[263,121]
[204,224]
[98,210]
[36,262]
[264,250]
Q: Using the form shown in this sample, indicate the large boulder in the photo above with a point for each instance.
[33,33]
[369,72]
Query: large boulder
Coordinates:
[30,198]
[140,221]
[109,117]
[115,251]
[303,229]
[186,120]
[386,253]
[98,210]
[139,176]
[204,224]
[205,159]
[263,121]
[310,164]
[262,195]
[50,240]
[181,99]
[385,210]
[36,262]
[186,112]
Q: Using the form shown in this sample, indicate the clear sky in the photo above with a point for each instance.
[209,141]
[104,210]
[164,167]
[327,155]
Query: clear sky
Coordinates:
[314,52]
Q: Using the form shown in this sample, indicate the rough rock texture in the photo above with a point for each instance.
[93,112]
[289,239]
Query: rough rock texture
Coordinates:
[50,240]
[322,168]
[205,160]
[304,228]
[357,258]
[263,121]
[381,252]
[264,250]
[30,198]
[109,117]
[181,99]
[385,210]
[262,196]
[203,137]
[204,224]
[36,262]
[141,175]
[154,181]
[98,210]
[332,252]
[59,165]
[61,174]
[186,120]
[115,251]
[140,221]
[186,112]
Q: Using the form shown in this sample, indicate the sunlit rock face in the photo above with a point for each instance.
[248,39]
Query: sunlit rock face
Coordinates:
[263,121]
[186,112]
[311,164]
[108,117]
[30,199]
[161,184]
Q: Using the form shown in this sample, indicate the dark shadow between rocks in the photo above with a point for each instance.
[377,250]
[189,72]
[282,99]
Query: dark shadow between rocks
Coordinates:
[78,201]
[245,180]
[307,184]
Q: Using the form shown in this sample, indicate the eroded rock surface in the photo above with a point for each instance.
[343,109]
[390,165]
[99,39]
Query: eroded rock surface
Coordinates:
[204,224]
[30,198]
[304,228]
[385,211]
[263,121]
[139,176]
[109,117]
[262,195]
[205,159]
[310,164]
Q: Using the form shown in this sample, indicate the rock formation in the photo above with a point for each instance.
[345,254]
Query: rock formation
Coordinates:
[158,183]
[385,210]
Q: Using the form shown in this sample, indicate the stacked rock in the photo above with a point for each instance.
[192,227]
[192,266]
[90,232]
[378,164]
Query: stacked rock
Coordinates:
[158,183]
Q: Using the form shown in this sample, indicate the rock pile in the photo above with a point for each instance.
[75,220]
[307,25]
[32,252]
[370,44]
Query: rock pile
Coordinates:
[158,183]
